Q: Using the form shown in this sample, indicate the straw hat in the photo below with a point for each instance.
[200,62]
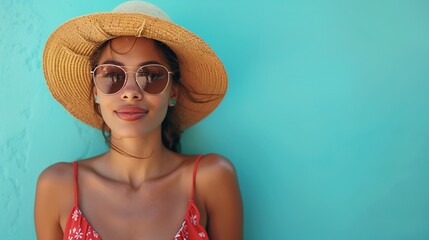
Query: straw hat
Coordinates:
[67,69]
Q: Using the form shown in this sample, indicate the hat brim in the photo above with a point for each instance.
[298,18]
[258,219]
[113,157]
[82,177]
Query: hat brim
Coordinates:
[67,68]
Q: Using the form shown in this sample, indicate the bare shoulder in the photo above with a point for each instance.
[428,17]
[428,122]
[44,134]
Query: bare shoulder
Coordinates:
[216,174]
[219,189]
[53,199]
[56,175]
[215,165]
[56,182]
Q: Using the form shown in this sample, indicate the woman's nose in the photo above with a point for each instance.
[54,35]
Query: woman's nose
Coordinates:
[131,90]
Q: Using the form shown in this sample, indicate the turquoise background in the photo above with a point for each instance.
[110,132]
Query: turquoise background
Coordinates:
[326,117]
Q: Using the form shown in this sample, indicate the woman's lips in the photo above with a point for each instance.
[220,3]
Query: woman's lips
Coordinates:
[131,113]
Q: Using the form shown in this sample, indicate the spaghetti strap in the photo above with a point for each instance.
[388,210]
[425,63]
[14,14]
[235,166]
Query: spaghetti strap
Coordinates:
[194,175]
[75,184]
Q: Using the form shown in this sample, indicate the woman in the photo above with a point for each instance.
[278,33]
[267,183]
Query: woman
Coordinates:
[141,79]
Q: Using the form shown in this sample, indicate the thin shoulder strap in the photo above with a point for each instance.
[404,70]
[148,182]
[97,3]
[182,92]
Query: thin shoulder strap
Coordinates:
[194,175]
[75,184]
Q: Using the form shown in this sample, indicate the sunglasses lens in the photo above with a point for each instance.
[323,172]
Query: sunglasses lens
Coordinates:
[153,79]
[109,79]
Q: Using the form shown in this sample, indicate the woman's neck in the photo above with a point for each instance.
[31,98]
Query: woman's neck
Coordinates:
[143,159]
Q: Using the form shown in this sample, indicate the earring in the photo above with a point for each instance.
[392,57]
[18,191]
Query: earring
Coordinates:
[172,102]
[96,99]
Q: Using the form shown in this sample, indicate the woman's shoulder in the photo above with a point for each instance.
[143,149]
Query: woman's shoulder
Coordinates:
[212,169]
[57,172]
[215,165]
[215,174]
[218,188]
[54,191]
[56,178]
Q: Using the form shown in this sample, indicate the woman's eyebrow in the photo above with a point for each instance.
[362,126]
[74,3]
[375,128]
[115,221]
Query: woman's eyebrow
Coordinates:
[121,64]
[149,62]
[112,62]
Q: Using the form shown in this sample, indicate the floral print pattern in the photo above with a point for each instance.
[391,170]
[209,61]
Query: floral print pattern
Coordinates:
[78,228]
[190,229]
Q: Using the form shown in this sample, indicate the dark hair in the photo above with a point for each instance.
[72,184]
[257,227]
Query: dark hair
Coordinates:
[170,127]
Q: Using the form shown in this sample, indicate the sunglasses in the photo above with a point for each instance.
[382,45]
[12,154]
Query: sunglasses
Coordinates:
[111,79]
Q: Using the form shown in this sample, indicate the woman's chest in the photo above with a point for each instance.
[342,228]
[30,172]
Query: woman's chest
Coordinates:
[157,212]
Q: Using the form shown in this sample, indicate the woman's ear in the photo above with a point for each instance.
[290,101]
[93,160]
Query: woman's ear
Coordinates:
[173,96]
[174,92]
[94,92]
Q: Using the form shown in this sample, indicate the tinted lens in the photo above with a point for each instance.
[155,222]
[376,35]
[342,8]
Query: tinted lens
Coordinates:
[109,79]
[153,79]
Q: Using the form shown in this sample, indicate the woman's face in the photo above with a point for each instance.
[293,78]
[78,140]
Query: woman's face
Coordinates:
[131,112]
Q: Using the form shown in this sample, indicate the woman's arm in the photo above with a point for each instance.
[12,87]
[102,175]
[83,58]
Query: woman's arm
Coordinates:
[219,189]
[50,196]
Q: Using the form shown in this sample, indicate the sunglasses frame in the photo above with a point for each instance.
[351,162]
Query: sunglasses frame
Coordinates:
[135,78]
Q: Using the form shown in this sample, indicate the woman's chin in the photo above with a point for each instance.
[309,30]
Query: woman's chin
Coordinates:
[132,132]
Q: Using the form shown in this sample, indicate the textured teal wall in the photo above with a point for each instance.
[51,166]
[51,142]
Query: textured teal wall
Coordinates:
[326,117]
